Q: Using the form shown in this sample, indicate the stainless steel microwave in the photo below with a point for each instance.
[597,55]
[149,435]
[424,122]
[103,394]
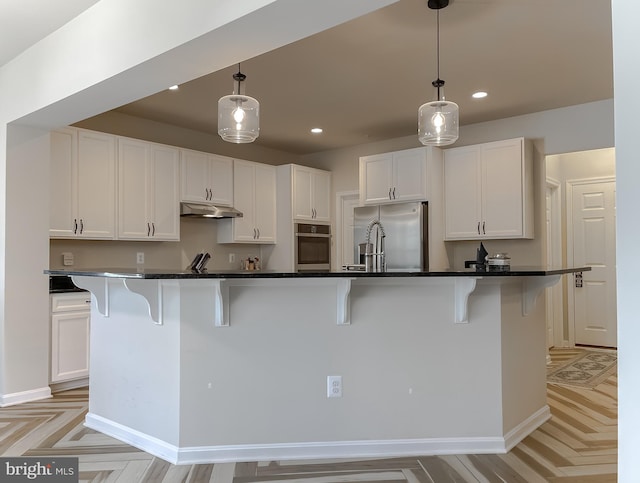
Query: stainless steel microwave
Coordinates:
[312,247]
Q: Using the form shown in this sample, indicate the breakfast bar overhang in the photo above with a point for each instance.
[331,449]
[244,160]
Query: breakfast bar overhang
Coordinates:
[234,366]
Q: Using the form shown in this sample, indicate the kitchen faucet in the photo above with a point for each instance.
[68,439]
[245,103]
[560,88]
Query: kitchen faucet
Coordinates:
[374,258]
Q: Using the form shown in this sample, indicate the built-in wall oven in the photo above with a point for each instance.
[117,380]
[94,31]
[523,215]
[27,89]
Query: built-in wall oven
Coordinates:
[312,247]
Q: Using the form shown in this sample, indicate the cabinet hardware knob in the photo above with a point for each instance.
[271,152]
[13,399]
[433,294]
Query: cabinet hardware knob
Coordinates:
[478,228]
[153,229]
[81,226]
[390,194]
[258,230]
[394,192]
[148,229]
[483,230]
[75,226]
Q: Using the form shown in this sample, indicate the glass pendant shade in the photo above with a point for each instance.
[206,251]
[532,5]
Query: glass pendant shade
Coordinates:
[238,118]
[438,121]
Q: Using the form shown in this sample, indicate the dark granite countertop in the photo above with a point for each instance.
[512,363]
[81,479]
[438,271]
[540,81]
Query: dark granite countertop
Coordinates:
[229,274]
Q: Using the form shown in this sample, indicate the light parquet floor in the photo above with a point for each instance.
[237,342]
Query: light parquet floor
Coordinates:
[578,444]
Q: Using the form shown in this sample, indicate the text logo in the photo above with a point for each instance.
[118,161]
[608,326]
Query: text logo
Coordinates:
[36,469]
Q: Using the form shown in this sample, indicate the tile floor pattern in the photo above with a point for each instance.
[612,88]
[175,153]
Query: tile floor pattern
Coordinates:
[578,444]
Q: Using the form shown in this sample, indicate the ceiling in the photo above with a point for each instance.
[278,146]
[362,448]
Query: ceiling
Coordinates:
[364,80]
[24,22]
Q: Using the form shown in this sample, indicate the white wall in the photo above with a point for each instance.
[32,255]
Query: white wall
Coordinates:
[626,38]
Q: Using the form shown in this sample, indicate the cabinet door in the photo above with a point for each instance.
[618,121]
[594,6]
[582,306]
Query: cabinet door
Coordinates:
[302,193]
[133,190]
[265,202]
[322,195]
[96,185]
[462,193]
[376,178]
[221,172]
[195,184]
[502,188]
[244,229]
[409,175]
[70,345]
[63,183]
[164,189]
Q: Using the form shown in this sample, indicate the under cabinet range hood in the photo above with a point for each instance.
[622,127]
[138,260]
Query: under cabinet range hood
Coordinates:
[196,210]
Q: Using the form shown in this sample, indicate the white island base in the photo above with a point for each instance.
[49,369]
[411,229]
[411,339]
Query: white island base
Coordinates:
[429,365]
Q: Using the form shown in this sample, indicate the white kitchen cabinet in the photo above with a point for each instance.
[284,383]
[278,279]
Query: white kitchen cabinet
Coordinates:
[489,191]
[311,194]
[394,177]
[206,178]
[70,323]
[148,191]
[83,188]
[254,195]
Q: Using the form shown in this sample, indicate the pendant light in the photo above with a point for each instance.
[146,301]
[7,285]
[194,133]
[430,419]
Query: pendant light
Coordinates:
[238,115]
[438,120]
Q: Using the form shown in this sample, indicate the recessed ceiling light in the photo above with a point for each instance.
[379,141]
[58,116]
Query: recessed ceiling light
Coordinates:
[479,95]
[173,88]
[316,130]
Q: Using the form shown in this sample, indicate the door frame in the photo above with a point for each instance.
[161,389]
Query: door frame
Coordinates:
[554,296]
[569,184]
[342,198]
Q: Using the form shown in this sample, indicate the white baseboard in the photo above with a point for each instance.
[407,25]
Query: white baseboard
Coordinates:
[526,427]
[316,450]
[24,396]
[66,385]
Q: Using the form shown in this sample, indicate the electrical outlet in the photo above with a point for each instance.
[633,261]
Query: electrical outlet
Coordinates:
[140,257]
[232,257]
[334,386]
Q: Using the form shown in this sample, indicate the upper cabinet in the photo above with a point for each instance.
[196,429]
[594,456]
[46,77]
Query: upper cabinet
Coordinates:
[254,195]
[83,188]
[394,177]
[311,193]
[148,191]
[489,191]
[206,178]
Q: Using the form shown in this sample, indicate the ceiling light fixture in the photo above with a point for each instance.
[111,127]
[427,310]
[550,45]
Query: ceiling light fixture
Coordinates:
[316,130]
[438,120]
[174,88]
[479,95]
[238,115]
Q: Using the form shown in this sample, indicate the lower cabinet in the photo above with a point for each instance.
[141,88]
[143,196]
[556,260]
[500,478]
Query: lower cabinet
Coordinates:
[70,322]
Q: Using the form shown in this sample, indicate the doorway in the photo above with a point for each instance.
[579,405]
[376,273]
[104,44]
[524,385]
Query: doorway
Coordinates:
[573,180]
[591,242]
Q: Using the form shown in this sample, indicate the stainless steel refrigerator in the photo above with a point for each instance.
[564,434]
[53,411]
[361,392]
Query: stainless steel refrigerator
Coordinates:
[406,234]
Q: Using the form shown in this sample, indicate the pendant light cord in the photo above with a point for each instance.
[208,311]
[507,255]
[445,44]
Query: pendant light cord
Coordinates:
[438,46]
[239,76]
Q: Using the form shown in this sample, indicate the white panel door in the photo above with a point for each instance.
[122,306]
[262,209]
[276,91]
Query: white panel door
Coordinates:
[502,188]
[322,195]
[593,230]
[409,175]
[96,185]
[165,192]
[462,191]
[376,178]
[133,195]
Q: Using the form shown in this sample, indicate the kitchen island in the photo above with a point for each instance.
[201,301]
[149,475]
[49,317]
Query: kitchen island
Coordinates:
[237,366]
